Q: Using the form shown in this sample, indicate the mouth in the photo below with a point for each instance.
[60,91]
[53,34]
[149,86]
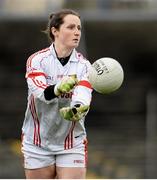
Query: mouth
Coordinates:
[76,40]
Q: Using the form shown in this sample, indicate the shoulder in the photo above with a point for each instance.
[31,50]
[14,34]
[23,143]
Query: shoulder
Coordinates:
[38,56]
[81,59]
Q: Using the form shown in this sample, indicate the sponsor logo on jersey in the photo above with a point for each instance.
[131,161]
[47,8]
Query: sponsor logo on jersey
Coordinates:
[67,95]
[49,77]
[78,161]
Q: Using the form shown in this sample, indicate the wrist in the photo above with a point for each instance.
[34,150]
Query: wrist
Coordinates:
[56,90]
[49,93]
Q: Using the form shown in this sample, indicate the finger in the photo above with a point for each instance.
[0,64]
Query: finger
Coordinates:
[82,109]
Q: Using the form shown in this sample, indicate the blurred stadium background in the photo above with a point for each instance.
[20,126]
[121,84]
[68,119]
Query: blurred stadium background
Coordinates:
[122,127]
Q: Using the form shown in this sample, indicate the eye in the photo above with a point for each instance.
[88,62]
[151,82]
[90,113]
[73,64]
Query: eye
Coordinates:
[79,28]
[71,27]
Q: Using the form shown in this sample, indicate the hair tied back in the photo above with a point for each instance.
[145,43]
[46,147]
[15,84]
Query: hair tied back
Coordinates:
[51,15]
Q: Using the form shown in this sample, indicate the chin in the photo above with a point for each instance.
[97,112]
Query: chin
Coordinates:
[73,46]
[76,45]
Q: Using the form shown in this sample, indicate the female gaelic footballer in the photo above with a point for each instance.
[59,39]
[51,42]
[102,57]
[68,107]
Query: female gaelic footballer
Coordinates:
[54,141]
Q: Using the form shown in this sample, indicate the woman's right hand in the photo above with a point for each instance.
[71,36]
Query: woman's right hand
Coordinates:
[65,85]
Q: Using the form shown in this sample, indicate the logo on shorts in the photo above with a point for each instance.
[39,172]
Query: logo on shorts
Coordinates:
[78,161]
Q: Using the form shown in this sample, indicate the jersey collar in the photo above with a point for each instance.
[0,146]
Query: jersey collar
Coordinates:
[73,56]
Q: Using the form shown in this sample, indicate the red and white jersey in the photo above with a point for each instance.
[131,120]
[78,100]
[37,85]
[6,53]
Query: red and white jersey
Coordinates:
[43,126]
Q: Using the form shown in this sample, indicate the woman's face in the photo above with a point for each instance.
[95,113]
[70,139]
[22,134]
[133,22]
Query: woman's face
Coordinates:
[69,33]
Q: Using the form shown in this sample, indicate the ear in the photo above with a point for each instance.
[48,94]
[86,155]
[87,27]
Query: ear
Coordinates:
[54,31]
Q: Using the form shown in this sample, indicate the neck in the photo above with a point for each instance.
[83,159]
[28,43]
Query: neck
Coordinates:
[62,51]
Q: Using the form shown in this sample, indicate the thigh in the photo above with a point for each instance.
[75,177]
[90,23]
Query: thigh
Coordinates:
[71,172]
[41,173]
[71,166]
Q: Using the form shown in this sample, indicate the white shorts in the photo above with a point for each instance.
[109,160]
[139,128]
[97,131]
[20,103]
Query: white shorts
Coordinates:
[38,158]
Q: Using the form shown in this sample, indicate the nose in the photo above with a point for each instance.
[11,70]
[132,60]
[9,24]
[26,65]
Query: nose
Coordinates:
[77,32]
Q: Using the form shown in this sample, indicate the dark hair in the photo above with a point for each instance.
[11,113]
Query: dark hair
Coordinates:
[56,20]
